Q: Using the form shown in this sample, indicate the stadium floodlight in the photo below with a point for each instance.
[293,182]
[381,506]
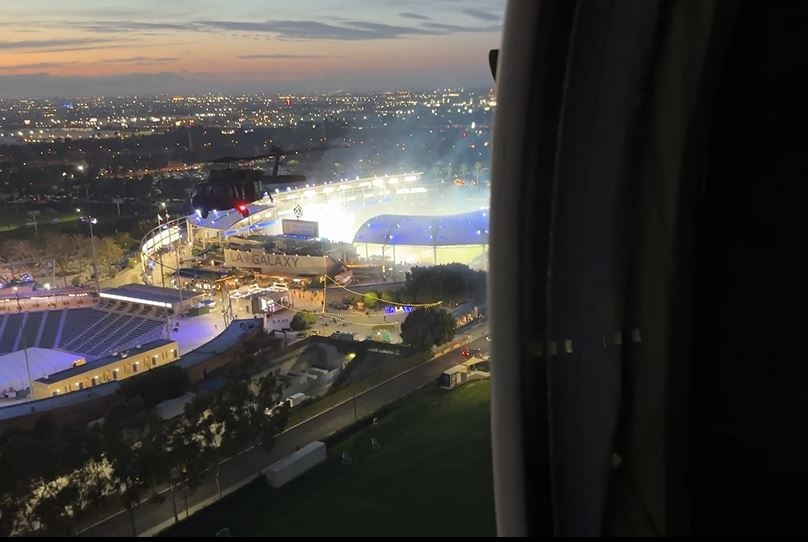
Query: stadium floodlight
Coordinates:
[409,178]
[393,180]
[378,182]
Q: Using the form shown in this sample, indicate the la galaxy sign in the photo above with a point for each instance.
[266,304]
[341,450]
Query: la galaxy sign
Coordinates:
[276,263]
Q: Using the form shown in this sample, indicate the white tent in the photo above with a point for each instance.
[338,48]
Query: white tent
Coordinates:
[42,361]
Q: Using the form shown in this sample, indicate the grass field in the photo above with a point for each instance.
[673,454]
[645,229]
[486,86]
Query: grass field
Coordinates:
[432,477]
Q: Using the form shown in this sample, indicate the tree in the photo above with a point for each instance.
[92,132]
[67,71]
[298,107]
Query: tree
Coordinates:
[370,299]
[126,241]
[427,327]
[64,248]
[135,448]
[142,227]
[18,249]
[303,320]
[109,253]
[156,385]
[451,283]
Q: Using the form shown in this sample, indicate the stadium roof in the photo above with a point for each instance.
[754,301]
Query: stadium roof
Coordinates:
[26,292]
[42,361]
[447,230]
[100,362]
[224,220]
[148,295]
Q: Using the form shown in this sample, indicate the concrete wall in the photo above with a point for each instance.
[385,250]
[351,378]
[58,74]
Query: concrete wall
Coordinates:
[290,467]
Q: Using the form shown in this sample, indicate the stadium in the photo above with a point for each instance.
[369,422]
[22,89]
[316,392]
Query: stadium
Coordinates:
[71,339]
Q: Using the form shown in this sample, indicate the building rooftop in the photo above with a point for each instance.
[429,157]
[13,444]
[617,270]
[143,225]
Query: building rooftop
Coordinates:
[234,334]
[101,362]
[149,295]
[224,220]
[447,230]
[42,362]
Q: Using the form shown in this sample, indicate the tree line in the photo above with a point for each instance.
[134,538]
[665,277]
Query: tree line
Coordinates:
[55,476]
[71,254]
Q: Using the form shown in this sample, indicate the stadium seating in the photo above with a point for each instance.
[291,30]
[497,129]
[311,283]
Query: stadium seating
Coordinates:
[10,325]
[91,332]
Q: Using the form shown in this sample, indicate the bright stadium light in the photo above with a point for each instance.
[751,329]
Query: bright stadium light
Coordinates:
[378,182]
[393,180]
[409,178]
[328,189]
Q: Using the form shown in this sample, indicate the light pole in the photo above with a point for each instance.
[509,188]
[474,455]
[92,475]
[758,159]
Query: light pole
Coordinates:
[34,215]
[324,278]
[92,220]
[25,349]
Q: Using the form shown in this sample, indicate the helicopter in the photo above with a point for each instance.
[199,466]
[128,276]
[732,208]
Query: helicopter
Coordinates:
[236,188]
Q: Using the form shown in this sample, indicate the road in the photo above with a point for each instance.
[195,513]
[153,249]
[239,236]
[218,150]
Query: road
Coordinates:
[153,518]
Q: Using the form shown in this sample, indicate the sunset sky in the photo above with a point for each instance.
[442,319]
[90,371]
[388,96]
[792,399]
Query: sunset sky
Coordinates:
[93,47]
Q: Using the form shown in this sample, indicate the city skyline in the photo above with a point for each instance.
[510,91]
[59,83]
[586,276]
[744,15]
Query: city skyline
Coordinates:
[111,48]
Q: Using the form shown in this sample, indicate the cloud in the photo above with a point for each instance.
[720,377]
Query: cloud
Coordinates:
[39,65]
[456,28]
[116,27]
[72,63]
[280,56]
[409,15]
[143,59]
[48,44]
[302,30]
[482,15]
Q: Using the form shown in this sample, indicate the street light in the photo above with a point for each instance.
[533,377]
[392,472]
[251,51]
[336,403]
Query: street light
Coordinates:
[25,348]
[92,220]
[34,214]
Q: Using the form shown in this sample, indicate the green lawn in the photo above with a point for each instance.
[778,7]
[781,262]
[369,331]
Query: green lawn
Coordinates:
[432,477]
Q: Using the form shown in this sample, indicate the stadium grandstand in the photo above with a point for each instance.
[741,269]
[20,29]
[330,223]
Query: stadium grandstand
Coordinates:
[122,318]
[26,298]
[204,232]
[92,331]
